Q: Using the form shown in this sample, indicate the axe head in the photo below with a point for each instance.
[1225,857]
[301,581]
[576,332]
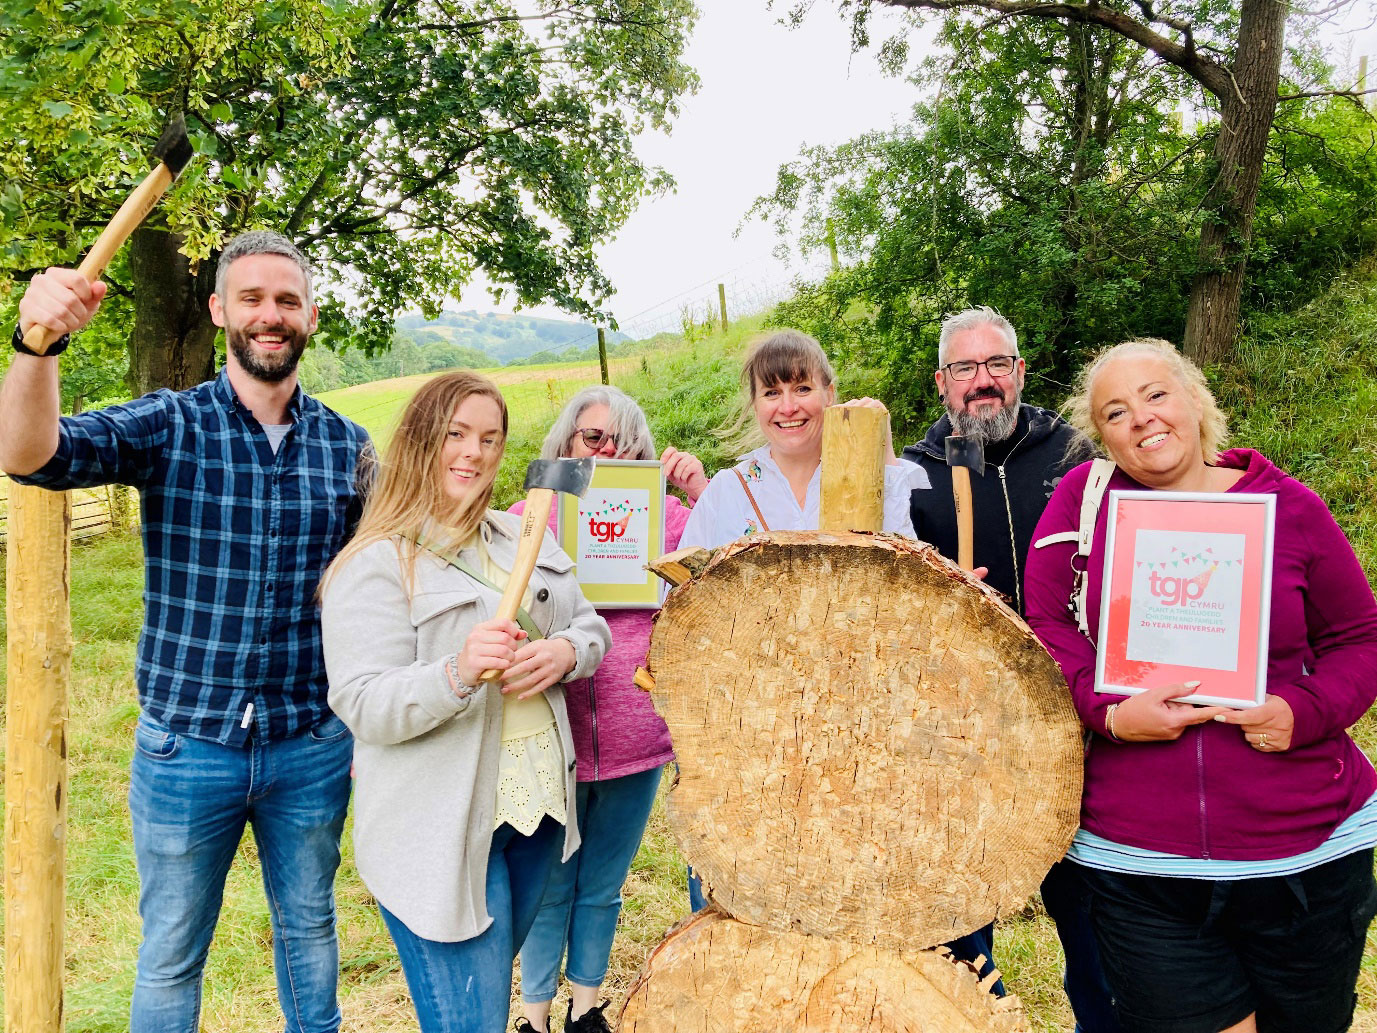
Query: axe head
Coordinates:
[570,476]
[968,452]
[174,148]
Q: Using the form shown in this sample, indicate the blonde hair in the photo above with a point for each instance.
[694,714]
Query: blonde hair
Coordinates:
[1214,428]
[408,499]
[782,357]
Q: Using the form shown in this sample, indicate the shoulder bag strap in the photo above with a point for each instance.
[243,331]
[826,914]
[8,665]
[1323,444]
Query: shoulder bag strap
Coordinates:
[747,489]
[523,618]
[1084,536]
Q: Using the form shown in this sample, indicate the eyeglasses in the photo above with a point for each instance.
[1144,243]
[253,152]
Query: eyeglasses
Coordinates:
[997,365]
[594,437]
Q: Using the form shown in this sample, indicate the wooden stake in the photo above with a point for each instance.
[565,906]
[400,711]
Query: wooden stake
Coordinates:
[853,469]
[602,353]
[38,589]
[722,304]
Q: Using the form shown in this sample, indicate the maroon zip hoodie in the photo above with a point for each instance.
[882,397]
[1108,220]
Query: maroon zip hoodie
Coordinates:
[1209,794]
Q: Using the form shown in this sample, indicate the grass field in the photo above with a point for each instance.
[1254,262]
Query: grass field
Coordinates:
[1313,413]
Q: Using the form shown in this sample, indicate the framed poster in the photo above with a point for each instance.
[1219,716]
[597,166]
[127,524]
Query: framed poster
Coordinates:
[1187,594]
[613,530]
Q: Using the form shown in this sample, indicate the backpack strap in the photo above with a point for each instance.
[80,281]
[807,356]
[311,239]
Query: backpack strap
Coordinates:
[747,489]
[1084,537]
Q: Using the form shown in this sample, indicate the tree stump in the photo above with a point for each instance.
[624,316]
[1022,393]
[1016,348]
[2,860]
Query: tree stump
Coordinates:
[713,974]
[872,746]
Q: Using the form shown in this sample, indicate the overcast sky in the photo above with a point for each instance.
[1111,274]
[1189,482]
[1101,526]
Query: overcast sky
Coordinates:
[766,91]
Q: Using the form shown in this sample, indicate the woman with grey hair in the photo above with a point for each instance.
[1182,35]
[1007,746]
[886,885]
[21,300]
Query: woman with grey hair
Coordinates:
[620,744]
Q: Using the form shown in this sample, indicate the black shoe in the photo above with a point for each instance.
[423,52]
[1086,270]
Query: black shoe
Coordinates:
[523,1025]
[591,1021]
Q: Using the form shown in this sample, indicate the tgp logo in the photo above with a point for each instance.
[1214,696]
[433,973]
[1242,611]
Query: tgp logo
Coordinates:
[1179,591]
[608,530]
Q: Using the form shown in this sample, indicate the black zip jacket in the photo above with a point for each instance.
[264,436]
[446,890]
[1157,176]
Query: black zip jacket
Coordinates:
[1008,500]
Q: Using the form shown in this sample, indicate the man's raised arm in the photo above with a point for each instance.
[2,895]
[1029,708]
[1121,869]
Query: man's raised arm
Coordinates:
[63,301]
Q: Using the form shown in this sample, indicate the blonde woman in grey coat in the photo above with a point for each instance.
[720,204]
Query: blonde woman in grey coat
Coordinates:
[464,796]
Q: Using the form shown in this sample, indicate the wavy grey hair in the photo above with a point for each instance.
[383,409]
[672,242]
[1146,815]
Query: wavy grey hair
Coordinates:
[625,421]
[969,319]
[260,242]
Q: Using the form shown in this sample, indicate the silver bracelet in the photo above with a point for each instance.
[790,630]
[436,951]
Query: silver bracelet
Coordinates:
[456,683]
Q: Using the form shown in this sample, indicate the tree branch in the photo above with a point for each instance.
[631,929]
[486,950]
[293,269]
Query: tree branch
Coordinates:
[1209,73]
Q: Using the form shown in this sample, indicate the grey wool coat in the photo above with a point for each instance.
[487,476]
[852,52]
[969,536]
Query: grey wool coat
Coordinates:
[425,760]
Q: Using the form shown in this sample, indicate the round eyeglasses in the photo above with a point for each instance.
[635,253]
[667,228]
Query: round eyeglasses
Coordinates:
[996,365]
[594,437]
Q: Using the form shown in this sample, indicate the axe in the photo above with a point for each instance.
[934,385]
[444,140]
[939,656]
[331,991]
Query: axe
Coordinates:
[172,152]
[544,477]
[964,455]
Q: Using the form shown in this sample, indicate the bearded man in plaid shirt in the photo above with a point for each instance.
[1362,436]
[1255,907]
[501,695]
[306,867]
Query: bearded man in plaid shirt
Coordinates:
[248,488]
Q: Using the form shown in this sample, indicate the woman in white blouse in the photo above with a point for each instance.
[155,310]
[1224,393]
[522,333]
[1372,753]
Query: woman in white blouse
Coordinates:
[775,487]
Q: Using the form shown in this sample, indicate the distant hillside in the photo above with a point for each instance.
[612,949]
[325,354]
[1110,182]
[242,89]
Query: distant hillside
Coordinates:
[508,338]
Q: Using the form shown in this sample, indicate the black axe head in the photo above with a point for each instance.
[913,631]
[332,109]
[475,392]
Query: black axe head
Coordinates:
[570,476]
[968,452]
[174,148]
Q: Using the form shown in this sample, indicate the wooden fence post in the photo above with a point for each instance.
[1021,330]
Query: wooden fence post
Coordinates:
[602,353]
[38,590]
[722,304]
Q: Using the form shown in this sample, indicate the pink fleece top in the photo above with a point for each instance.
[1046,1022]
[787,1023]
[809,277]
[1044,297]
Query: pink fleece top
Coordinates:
[616,730]
[1209,794]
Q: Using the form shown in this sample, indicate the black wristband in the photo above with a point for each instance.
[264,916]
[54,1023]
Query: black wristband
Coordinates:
[56,348]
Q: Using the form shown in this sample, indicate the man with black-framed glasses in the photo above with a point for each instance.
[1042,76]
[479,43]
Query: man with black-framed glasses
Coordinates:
[980,381]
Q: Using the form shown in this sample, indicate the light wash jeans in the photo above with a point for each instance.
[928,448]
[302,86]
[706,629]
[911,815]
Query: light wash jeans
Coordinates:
[466,987]
[583,898]
[190,800]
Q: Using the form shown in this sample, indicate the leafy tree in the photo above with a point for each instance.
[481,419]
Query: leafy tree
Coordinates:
[1233,51]
[405,144]
[1051,178]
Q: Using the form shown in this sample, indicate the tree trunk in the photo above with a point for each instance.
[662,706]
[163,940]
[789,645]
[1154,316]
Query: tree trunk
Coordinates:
[1245,123]
[872,747]
[173,343]
[713,973]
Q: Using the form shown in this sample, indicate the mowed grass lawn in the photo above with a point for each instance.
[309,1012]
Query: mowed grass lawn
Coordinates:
[102,918]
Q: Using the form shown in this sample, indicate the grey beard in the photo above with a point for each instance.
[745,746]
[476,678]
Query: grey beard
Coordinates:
[989,429]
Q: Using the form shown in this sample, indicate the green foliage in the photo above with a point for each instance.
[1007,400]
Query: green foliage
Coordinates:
[406,145]
[1052,180]
[513,339]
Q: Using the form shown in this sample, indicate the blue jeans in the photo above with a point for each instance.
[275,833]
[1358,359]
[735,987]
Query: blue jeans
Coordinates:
[190,800]
[466,986]
[583,898]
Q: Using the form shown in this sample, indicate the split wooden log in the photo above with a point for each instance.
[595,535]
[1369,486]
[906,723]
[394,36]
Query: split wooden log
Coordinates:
[713,974]
[872,746]
[851,496]
[681,565]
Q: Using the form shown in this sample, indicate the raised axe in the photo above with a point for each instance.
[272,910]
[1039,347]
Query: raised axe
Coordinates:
[172,151]
[964,455]
[544,477]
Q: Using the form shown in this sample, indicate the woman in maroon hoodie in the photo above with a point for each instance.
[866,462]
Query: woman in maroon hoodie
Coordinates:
[620,742]
[1229,853]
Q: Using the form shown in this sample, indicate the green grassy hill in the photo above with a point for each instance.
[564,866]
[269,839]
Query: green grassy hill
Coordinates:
[1305,392]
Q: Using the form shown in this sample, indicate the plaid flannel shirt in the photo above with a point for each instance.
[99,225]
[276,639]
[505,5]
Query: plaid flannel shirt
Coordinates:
[235,540]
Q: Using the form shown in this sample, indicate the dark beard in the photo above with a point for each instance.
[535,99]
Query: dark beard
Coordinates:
[987,429]
[271,370]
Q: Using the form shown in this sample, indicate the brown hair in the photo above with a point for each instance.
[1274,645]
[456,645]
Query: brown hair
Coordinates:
[408,499]
[782,357]
[1214,428]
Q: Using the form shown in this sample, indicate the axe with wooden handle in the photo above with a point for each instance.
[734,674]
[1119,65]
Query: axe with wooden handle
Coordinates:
[964,455]
[544,477]
[172,152]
